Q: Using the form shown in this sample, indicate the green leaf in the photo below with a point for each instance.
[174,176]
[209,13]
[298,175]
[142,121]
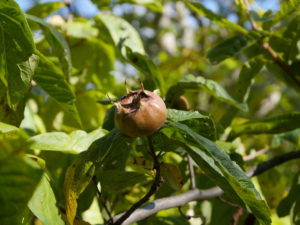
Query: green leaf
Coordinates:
[287,203]
[230,48]
[278,124]
[117,181]
[201,124]
[52,81]
[249,70]
[224,172]
[81,29]
[7,114]
[7,128]
[152,77]
[44,205]
[19,177]
[75,142]
[57,42]
[200,9]
[181,115]
[108,147]
[16,47]
[102,4]
[19,79]
[172,175]
[121,32]
[43,10]
[154,5]
[77,178]
[200,83]
[98,65]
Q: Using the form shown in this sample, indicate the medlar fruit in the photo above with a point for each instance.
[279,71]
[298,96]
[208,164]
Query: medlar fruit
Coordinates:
[181,103]
[140,113]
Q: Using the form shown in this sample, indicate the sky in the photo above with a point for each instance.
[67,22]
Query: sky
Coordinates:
[86,8]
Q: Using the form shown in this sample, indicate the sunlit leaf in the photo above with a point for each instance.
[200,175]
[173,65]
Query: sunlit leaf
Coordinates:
[43,10]
[57,42]
[122,32]
[16,47]
[77,178]
[154,5]
[248,72]
[152,76]
[44,196]
[75,142]
[199,8]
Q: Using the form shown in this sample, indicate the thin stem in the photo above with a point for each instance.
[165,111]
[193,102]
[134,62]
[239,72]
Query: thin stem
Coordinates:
[257,153]
[153,189]
[191,171]
[101,200]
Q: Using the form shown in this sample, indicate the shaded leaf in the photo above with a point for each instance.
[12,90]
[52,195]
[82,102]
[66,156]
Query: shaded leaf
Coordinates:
[44,205]
[230,47]
[172,175]
[116,181]
[287,203]
[278,124]
[108,147]
[224,172]
[200,83]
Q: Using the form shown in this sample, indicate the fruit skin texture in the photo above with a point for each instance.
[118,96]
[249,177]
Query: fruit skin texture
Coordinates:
[140,113]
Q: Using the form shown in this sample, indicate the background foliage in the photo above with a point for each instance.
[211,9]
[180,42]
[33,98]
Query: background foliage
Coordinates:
[237,66]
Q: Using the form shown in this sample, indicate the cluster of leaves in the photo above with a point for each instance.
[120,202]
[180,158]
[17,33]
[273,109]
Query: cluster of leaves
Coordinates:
[57,143]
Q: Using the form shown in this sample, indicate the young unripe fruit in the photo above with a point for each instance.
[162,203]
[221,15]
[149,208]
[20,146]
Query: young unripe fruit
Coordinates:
[140,113]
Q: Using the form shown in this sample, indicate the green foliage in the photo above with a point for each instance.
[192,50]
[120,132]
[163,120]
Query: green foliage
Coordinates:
[58,144]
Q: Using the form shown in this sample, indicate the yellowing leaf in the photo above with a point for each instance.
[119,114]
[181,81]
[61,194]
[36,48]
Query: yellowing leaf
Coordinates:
[78,176]
[172,175]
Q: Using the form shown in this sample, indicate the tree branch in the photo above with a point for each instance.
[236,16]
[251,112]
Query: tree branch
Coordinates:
[156,183]
[196,194]
[276,59]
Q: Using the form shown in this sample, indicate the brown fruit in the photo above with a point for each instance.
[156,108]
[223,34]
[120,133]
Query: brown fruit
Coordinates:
[140,113]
